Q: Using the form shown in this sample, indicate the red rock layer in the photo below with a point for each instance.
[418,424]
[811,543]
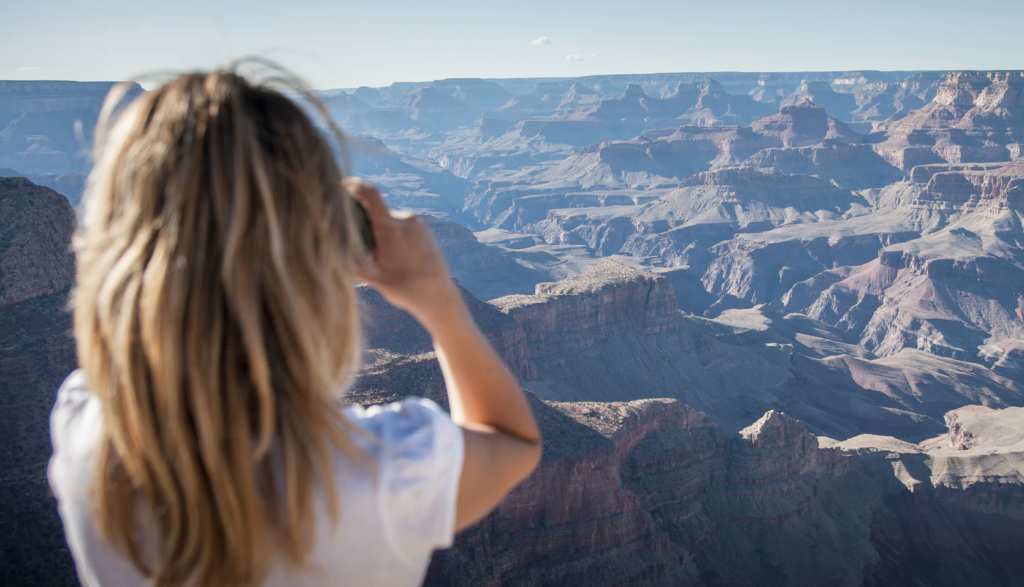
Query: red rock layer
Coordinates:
[593,304]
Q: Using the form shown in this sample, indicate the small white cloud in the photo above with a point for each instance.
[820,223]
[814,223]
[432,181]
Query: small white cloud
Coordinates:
[23,69]
[542,41]
[592,55]
[575,57]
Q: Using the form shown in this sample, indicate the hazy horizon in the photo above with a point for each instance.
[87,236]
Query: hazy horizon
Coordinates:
[346,45]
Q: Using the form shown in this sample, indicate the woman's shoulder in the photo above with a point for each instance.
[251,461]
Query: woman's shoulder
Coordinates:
[419,455]
[412,427]
[75,425]
[76,414]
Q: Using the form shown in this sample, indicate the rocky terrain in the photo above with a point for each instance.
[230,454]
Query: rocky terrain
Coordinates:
[36,353]
[650,491]
[772,324]
[849,258]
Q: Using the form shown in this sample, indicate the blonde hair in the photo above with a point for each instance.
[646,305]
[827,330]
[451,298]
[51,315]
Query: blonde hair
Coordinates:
[216,319]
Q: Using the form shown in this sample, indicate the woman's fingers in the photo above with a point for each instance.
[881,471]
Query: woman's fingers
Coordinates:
[369,197]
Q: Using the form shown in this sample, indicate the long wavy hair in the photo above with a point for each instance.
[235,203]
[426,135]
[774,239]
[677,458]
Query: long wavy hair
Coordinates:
[216,319]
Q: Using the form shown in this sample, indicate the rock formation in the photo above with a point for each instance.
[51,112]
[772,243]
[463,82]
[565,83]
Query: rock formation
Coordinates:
[69,185]
[802,124]
[35,254]
[36,353]
[974,117]
[837,105]
[652,492]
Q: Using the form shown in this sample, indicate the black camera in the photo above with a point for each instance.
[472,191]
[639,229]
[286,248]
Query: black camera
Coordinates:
[365,228]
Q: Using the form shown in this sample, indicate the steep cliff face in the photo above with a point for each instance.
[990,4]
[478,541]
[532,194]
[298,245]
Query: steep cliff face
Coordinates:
[36,353]
[851,166]
[589,306]
[653,493]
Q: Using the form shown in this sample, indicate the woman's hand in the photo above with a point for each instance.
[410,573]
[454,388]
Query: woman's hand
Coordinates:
[406,267]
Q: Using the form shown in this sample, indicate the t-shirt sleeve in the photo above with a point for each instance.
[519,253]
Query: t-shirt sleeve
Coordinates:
[420,463]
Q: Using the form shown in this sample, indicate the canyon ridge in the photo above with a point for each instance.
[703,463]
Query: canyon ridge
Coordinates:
[771,324]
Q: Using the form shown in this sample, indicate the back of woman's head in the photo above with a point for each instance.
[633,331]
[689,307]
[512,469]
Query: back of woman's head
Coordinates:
[216,318]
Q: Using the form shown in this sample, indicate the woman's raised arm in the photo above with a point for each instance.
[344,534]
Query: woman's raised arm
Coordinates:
[502,442]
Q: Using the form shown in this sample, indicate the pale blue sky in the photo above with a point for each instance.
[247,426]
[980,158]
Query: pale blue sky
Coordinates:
[376,42]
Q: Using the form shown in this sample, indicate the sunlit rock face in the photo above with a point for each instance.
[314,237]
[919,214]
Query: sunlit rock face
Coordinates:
[975,116]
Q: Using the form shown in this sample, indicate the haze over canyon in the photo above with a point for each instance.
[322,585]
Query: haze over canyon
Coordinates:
[772,324]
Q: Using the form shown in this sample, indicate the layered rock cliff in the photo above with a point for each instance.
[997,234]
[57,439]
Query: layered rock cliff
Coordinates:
[590,306]
[804,123]
[653,493]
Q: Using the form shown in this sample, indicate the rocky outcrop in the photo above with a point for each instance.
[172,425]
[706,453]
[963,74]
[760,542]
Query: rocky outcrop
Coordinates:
[804,124]
[433,109]
[35,241]
[702,103]
[968,186]
[549,98]
[985,429]
[881,100]
[854,167]
[36,353]
[342,105]
[591,305]
[946,290]
[475,92]
[69,185]
[405,183]
[653,493]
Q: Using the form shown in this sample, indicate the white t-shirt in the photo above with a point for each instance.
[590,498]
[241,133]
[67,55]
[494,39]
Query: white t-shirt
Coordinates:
[387,530]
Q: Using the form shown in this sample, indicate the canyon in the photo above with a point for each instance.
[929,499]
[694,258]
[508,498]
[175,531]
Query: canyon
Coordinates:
[771,324]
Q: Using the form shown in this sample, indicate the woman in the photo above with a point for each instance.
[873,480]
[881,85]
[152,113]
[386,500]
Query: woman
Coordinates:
[202,441]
